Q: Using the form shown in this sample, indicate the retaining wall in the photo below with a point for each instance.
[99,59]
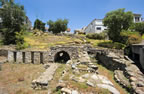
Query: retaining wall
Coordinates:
[41,57]
[120,62]
[27,57]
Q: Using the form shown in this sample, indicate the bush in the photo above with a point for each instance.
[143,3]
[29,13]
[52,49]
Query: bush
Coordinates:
[99,36]
[20,43]
[138,27]
[129,37]
[114,45]
[37,32]
[134,39]
[20,46]
[143,36]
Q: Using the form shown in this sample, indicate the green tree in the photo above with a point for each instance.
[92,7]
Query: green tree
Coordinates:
[13,17]
[116,21]
[38,24]
[58,26]
[138,27]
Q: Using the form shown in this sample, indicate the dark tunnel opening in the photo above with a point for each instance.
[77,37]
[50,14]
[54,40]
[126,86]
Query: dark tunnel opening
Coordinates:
[61,57]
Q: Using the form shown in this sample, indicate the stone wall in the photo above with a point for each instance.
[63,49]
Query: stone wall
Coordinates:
[122,63]
[72,51]
[138,50]
[111,61]
[27,57]
[3,52]
[41,57]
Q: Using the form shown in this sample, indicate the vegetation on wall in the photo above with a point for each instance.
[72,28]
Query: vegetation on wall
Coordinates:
[99,36]
[58,26]
[112,45]
[129,37]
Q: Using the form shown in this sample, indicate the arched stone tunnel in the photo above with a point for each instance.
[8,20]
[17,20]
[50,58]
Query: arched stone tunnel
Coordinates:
[61,57]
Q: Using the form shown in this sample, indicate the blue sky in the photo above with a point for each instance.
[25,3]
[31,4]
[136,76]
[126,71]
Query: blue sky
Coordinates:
[79,12]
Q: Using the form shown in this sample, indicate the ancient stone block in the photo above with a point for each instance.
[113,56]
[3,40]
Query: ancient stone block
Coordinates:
[45,57]
[28,59]
[10,56]
[36,59]
[19,57]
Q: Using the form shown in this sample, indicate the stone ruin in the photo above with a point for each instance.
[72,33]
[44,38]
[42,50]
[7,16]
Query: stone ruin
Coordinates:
[126,72]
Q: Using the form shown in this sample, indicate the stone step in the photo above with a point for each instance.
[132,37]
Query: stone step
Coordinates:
[42,81]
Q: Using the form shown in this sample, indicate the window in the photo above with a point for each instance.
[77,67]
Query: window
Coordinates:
[137,19]
[98,28]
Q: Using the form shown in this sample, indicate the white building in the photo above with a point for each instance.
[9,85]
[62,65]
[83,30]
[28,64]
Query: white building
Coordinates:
[137,18]
[97,26]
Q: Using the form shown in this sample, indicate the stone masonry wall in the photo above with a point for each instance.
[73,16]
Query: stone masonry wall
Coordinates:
[122,63]
[3,52]
[40,57]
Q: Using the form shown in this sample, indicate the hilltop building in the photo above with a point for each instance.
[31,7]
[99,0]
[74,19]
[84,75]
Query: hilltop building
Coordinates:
[137,18]
[97,26]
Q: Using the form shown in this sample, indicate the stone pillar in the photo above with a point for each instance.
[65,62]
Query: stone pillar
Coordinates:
[19,58]
[36,58]
[45,57]
[142,57]
[10,56]
[28,57]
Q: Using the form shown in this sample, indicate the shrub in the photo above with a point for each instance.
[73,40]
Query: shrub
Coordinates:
[37,32]
[114,45]
[20,43]
[138,27]
[134,39]
[99,36]
[143,36]
[129,37]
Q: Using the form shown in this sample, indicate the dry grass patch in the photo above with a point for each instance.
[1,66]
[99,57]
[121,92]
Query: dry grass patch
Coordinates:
[17,78]
[49,40]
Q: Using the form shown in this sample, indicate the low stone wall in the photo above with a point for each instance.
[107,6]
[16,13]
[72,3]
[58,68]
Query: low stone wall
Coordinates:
[27,57]
[41,57]
[116,62]
[3,52]
[112,62]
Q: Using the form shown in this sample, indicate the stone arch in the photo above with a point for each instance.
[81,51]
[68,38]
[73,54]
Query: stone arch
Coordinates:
[62,57]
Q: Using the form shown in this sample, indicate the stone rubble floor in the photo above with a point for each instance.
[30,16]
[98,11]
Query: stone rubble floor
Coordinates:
[72,79]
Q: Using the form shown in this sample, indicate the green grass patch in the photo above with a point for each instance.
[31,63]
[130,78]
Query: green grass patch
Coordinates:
[112,45]
[143,36]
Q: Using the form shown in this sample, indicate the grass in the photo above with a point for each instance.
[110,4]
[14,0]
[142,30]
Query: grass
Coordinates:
[143,36]
[17,78]
[48,40]
[96,42]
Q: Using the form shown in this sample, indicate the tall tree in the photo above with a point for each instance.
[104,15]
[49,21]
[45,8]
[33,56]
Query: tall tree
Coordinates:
[116,21]
[58,26]
[13,17]
[38,24]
